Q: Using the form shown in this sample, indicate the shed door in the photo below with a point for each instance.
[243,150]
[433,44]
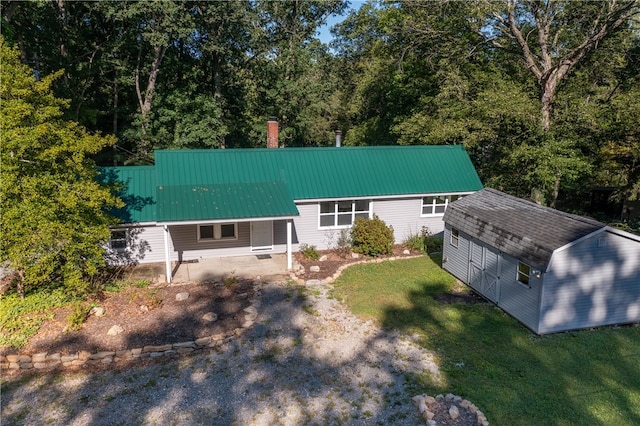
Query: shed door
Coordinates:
[490,274]
[475,266]
[484,271]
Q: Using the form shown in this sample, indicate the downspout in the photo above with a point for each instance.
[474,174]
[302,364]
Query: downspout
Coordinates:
[167,257]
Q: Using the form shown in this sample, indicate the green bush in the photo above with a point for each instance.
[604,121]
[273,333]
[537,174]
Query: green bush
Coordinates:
[309,252]
[372,237]
[414,242]
[433,244]
[20,318]
[77,317]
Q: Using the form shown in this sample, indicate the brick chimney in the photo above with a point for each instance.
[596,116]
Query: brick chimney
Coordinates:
[272,133]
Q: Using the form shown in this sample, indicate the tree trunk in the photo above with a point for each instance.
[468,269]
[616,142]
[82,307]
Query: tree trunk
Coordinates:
[146,100]
[556,191]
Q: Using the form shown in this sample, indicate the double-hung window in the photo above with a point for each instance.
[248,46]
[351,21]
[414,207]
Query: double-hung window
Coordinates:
[119,240]
[455,236]
[437,204]
[218,231]
[524,272]
[342,214]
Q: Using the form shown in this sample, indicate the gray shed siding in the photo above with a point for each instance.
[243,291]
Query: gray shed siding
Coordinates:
[592,283]
[515,298]
[455,260]
[519,300]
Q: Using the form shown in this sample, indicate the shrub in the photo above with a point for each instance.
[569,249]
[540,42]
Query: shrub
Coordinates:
[78,315]
[372,237]
[309,252]
[433,244]
[344,243]
[416,241]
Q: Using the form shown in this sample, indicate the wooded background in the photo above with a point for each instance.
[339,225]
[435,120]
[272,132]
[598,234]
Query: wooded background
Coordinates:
[544,95]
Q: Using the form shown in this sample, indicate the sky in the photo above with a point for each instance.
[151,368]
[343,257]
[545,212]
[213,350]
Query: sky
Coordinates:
[324,34]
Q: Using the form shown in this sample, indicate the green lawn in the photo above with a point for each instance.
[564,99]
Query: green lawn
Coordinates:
[515,377]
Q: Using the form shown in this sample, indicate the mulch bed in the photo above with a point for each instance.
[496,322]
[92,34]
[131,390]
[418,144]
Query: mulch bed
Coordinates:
[148,316]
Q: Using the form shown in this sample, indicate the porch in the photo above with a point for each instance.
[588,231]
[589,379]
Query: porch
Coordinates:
[252,266]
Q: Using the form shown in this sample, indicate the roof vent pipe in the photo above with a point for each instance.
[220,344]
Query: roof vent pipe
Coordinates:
[272,133]
[338,138]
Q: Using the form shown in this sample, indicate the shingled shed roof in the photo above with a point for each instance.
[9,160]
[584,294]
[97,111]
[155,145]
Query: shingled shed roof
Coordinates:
[519,228]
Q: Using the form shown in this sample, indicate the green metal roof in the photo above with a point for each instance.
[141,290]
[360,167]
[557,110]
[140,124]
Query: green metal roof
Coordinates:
[137,190]
[312,173]
[263,182]
[224,201]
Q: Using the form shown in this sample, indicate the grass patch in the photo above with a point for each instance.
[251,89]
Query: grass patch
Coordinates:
[514,376]
[21,318]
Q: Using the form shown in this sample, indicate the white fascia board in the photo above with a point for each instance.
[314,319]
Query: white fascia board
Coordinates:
[622,233]
[231,220]
[381,197]
[133,225]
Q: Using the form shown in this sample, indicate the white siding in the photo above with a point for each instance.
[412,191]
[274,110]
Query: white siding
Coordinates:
[403,214]
[145,245]
[595,282]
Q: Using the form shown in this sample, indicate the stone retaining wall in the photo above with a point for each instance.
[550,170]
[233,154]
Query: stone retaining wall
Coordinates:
[44,360]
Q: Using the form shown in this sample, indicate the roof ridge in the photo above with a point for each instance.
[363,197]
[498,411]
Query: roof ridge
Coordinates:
[551,210]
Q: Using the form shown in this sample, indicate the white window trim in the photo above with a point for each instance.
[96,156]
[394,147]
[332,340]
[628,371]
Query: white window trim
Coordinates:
[335,212]
[217,231]
[455,237]
[519,274]
[125,239]
[434,203]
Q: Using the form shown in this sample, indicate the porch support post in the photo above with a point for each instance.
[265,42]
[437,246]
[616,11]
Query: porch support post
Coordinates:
[289,254]
[167,257]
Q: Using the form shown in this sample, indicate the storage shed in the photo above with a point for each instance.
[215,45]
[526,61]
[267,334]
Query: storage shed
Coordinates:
[551,270]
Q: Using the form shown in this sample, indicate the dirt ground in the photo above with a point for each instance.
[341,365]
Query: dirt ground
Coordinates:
[153,316]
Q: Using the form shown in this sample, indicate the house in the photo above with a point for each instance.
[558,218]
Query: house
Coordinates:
[552,271]
[197,204]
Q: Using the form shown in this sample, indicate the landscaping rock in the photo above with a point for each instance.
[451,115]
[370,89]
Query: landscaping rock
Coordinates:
[97,311]
[314,268]
[182,296]
[406,252]
[355,255]
[323,258]
[115,330]
[210,317]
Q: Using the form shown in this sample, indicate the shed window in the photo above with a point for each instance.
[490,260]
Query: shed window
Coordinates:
[218,231]
[436,205]
[118,241]
[454,237]
[524,272]
[342,214]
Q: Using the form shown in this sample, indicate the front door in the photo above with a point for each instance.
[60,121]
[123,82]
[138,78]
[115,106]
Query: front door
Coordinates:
[262,235]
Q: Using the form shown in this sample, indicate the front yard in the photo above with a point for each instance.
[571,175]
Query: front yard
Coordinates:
[517,378]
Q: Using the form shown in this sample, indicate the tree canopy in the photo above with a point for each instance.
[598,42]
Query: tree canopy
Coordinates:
[543,94]
[54,212]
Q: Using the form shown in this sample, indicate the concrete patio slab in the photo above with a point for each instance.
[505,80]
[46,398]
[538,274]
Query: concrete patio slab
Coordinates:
[264,265]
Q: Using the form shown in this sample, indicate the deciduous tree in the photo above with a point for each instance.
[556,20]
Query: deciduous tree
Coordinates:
[54,221]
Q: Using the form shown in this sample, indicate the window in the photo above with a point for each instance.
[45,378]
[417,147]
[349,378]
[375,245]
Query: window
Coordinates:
[342,213]
[436,205]
[524,271]
[118,241]
[454,237]
[218,231]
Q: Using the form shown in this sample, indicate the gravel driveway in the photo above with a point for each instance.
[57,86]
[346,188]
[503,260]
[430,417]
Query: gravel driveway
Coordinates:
[306,361]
